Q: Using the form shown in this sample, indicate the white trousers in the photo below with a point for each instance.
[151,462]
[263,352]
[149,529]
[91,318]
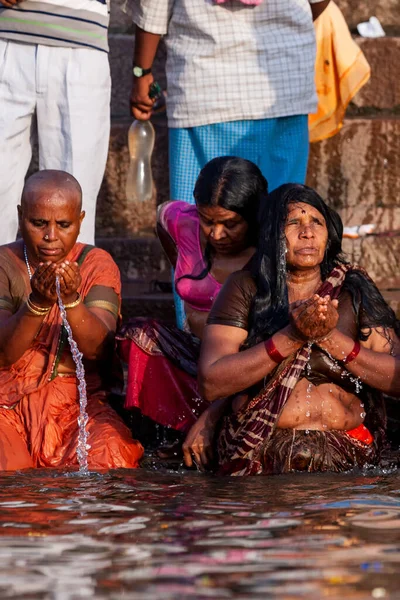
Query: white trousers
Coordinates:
[63,95]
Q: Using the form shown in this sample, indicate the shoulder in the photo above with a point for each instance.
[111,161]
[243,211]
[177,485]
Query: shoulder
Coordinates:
[233,303]
[99,268]
[176,212]
[242,281]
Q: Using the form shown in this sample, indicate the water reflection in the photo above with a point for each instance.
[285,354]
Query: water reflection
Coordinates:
[162,535]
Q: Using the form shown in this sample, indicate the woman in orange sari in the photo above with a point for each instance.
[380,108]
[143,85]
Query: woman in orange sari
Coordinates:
[39,394]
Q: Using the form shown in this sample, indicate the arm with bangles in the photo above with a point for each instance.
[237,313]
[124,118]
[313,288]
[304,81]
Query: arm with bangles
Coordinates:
[375,361]
[92,328]
[224,370]
[222,362]
[19,329]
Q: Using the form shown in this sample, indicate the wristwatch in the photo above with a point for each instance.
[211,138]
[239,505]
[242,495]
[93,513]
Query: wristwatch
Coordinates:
[139,72]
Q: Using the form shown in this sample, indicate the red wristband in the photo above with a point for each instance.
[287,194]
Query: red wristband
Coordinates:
[273,351]
[354,353]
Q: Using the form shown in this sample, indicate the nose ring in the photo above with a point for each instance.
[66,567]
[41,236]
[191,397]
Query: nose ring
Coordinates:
[46,237]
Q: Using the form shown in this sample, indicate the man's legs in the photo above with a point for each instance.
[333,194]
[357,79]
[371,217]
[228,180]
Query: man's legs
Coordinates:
[17,106]
[74,119]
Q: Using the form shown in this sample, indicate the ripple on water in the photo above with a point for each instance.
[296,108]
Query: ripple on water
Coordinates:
[138,534]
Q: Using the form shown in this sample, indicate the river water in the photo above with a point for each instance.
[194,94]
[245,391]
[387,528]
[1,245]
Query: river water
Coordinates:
[159,534]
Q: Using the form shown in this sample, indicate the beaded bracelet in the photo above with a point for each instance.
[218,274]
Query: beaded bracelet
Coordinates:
[273,351]
[354,353]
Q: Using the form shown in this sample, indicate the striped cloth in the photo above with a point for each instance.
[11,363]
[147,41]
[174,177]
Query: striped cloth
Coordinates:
[244,434]
[66,23]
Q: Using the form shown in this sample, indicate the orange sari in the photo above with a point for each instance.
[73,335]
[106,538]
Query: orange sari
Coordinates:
[39,407]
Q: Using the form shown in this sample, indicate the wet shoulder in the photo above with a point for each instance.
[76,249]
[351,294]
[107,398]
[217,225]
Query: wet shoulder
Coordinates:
[233,304]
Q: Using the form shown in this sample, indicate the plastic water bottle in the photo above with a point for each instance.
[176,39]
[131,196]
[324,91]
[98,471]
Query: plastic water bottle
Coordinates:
[139,183]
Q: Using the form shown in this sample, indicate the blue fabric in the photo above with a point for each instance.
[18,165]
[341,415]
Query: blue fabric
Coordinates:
[279,147]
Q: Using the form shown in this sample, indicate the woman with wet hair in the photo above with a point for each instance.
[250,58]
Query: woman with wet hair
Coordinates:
[304,345]
[204,243]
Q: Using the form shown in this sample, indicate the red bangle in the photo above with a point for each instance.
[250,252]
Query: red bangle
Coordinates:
[273,351]
[354,353]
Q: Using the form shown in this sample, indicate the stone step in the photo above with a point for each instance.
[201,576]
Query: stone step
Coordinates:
[161,306]
[387,12]
[158,306]
[140,259]
[356,171]
[382,92]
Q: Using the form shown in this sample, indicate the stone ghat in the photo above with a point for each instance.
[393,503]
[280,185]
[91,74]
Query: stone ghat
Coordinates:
[356,171]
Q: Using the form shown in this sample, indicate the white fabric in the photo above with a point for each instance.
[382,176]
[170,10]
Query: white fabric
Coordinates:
[232,62]
[68,90]
[90,5]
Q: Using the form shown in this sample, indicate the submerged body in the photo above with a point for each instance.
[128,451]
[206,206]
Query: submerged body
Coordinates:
[40,400]
[331,352]
[39,403]
[205,244]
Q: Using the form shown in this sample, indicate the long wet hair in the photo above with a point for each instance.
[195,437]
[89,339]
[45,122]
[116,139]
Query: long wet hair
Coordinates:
[235,184]
[270,309]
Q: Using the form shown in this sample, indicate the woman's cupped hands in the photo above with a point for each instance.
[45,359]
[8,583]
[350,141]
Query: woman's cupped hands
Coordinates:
[314,318]
[43,282]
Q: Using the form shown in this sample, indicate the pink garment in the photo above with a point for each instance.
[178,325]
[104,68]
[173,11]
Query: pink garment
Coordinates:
[181,221]
[252,2]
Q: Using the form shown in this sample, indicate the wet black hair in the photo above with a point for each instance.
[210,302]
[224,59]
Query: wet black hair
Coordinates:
[270,309]
[235,184]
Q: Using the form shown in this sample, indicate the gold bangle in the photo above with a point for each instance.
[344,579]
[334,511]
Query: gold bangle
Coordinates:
[34,310]
[41,309]
[75,302]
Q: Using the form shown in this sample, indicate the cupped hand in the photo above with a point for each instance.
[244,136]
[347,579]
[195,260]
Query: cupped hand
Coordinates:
[198,445]
[314,318]
[140,101]
[70,280]
[43,284]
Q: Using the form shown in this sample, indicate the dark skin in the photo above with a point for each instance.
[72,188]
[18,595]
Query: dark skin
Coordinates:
[224,371]
[227,233]
[50,216]
[146,45]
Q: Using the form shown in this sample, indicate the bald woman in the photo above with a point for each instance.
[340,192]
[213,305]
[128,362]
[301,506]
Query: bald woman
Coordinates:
[39,401]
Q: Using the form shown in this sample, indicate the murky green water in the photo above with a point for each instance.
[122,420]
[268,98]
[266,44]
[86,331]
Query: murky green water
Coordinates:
[160,535]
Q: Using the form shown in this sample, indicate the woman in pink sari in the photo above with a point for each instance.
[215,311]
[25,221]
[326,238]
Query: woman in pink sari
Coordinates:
[205,244]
